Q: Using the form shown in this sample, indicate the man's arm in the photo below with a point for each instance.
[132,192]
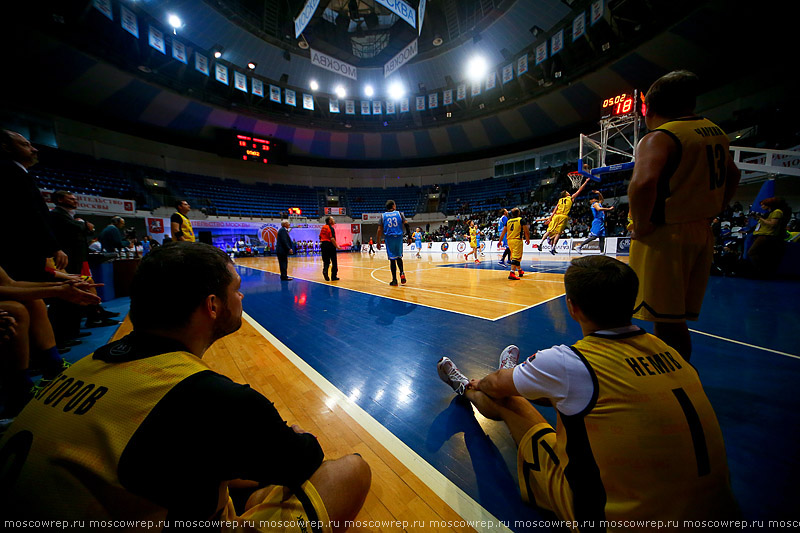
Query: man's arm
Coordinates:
[580,189]
[527,232]
[731,183]
[380,233]
[503,234]
[599,207]
[499,384]
[652,156]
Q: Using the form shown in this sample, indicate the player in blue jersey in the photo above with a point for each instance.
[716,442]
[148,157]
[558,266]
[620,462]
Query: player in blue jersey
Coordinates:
[418,241]
[598,230]
[501,225]
[391,227]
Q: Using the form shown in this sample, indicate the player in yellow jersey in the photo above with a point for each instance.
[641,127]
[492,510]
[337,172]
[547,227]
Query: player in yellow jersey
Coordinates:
[636,438]
[514,230]
[144,430]
[557,222]
[473,241]
[684,176]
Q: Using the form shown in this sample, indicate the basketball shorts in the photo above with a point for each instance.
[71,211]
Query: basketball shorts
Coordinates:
[516,250]
[558,224]
[281,510]
[673,264]
[541,475]
[598,229]
[394,246]
[419,245]
[473,244]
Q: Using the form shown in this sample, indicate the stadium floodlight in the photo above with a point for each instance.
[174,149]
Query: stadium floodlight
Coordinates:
[174,20]
[477,68]
[314,85]
[340,92]
[396,91]
[369,91]
[252,65]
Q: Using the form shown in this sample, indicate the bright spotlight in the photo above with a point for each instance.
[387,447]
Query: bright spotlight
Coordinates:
[396,91]
[314,85]
[476,68]
[217,54]
[369,91]
[340,92]
[174,21]
[252,65]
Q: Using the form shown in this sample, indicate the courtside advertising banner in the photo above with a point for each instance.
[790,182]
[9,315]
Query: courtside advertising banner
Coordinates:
[334,65]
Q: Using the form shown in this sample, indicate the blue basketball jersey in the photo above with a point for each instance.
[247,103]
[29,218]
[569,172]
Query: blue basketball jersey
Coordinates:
[392,223]
[500,225]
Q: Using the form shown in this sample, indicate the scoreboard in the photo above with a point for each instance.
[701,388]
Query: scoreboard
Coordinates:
[335,211]
[252,148]
[623,104]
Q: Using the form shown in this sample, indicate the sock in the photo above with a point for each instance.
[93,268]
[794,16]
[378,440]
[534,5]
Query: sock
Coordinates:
[400,264]
[393,267]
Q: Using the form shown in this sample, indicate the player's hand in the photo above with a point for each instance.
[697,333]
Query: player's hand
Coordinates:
[297,429]
[8,329]
[61,260]
[379,246]
[527,242]
[71,293]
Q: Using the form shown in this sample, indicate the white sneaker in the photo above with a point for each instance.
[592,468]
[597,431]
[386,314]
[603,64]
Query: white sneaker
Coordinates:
[509,357]
[450,374]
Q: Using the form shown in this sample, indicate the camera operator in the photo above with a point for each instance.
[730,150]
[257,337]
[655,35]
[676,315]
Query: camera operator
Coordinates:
[767,249]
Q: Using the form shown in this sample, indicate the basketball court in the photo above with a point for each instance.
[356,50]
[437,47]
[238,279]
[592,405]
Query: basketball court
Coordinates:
[370,351]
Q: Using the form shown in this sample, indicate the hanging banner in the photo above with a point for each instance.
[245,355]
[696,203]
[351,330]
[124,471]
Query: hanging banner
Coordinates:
[366,108]
[522,64]
[404,107]
[201,63]
[476,88]
[433,100]
[128,21]
[350,107]
[240,81]
[541,53]
[447,97]
[508,73]
[390,108]
[257,87]
[179,51]
[377,107]
[275,94]
[290,98]
[461,91]
[597,11]
[420,103]
[557,42]
[308,102]
[403,57]
[104,7]
[333,106]
[579,26]
[491,80]
[421,15]
[221,73]
[156,39]
[334,65]
[401,9]
[304,17]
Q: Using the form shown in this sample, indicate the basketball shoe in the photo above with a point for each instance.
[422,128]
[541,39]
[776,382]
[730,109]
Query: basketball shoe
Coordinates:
[511,275]
[509,357]
[450,374]
[402,278]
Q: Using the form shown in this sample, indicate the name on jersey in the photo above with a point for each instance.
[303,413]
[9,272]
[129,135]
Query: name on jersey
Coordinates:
[709,131]
[662,363]
[79,396]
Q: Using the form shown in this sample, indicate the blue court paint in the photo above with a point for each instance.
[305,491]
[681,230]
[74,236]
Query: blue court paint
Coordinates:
[383,353]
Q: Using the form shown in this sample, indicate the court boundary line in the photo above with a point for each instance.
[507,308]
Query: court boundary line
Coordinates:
[745,344]
[453,496]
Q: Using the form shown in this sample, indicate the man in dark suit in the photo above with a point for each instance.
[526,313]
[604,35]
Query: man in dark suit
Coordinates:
[70,232]
[24,227]
[283,248]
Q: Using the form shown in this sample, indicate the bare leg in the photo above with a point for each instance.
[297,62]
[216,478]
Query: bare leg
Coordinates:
[517,413]
[41,331]
[17,346]
[676,334]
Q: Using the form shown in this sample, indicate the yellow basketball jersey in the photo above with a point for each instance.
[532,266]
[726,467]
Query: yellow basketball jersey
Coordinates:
[75,432]
[515,229]
[649,445]
[472,233]
[564,205]
[186,229]
[694,189]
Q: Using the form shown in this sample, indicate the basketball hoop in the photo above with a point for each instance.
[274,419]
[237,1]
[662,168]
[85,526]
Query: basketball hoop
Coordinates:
[576,179]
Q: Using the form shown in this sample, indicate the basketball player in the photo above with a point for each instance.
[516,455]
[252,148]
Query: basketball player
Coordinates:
[144,430]
[392,223]
[180,225]
[473,241]
[560,217]
[501,225]
[371,249]
[598,230]
[515,228]
[418,241]
[636,438]
[684,176]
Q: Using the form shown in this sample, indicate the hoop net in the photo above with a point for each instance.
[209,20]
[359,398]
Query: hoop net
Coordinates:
[576,179]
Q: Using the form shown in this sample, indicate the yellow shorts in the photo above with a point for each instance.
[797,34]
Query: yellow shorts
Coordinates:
[281,510]
[541,474]
[673,264]
[516,250]
[558,224]
[473,244]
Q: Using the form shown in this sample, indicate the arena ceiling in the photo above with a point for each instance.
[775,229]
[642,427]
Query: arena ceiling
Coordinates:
[63,70]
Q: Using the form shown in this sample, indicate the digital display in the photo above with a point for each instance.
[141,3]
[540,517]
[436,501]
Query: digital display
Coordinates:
[335,211]
[254,149]
[251,148]
[621,105]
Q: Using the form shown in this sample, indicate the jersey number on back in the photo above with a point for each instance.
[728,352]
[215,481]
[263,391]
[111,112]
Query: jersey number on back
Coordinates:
[716,165]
